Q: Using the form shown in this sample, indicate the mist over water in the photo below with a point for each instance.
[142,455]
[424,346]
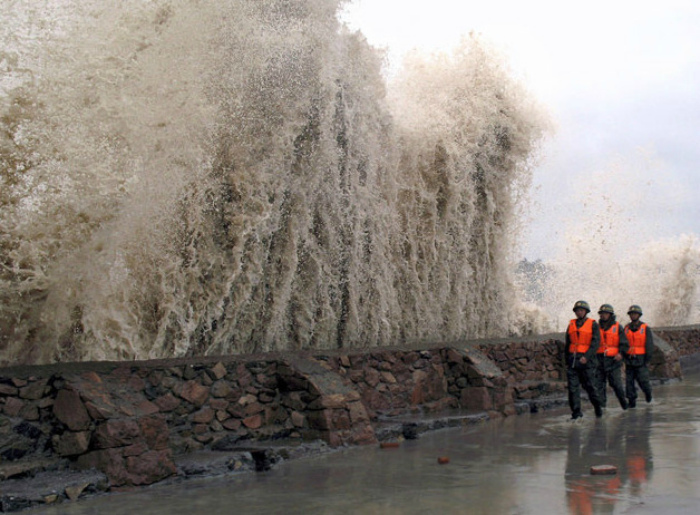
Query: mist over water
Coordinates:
[206,177]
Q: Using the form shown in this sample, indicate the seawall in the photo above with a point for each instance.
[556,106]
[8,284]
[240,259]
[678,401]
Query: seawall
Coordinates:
[135,423]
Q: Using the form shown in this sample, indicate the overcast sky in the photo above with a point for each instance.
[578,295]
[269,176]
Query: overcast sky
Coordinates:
[621,80]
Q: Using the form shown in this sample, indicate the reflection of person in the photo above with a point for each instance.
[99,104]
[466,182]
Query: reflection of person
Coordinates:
[613,344]
[641,347]
[638,464]
[582,341]
[586,493]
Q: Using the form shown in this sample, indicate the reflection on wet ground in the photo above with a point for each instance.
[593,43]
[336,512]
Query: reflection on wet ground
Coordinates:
[537,463]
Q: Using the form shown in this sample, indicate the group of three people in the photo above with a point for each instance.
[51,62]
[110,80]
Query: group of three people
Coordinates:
[595,352]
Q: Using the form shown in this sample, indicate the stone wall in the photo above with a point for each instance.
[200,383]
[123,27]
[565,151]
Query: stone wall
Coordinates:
[131,419]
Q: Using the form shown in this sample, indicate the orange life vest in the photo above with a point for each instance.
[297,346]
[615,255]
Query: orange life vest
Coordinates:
[580,337]
[637,339]
[610,340]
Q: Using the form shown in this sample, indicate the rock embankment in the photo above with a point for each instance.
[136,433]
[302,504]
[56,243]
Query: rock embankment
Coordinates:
[96,427]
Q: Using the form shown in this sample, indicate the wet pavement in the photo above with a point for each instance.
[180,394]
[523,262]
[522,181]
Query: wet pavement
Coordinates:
[533,463]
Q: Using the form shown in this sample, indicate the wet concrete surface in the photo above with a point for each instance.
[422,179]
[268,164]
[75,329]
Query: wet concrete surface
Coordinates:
[533,463]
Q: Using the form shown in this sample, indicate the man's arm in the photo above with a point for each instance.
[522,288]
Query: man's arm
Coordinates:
[624,342]
[649,346]
[595,343]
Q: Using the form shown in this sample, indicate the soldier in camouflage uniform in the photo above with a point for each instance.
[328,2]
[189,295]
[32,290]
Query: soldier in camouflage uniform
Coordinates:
[641,347]
[582,341]
[613,346]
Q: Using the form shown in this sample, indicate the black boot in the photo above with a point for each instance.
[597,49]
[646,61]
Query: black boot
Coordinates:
[633,403]
[598,410]
[576,414]
[648,396]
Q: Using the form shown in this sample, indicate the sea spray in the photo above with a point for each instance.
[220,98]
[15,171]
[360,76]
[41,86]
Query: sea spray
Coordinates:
[207,177]
[612,251]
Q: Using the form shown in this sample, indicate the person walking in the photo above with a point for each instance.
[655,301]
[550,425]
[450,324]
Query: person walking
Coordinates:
[641,348]
[582,342]
[613,345]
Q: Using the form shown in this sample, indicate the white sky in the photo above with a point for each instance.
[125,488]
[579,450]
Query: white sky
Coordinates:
[621,80]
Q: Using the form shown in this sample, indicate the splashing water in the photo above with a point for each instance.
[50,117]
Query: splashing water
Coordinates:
[208,177]
[611,251]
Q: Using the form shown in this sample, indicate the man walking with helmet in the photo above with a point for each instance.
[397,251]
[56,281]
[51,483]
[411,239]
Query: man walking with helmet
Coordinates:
[641,347]
[582,342]
[613,345]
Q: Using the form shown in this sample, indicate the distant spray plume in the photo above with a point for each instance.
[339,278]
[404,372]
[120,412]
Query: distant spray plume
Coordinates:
[197,178]
[612,252]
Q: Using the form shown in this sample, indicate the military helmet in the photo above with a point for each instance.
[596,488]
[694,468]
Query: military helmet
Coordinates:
[634,308]
[606,308]
[582,304]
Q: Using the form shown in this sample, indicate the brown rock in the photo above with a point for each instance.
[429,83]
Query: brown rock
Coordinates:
[150,467]
[375,400]
[109,461]
[155,431]
[221,389]
[476,399]
[203,416]
[254,422]
[206,380]
[70,410]
[195,393]
[372,377]
[29,412]
[136,383]
[266,397]
[358,413]
[18,382]
[218,371]
[6,389]
[333,401]
[46,402]
[363,435]
[356,375]
[232,424]
[73,443]
[136,449]
[13,406]
[298,419]
[34,391]
[252,409]
[73,492]
[247,399]
[167,402]
[204,438]
[116,433]
[218,404]
[100,411]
